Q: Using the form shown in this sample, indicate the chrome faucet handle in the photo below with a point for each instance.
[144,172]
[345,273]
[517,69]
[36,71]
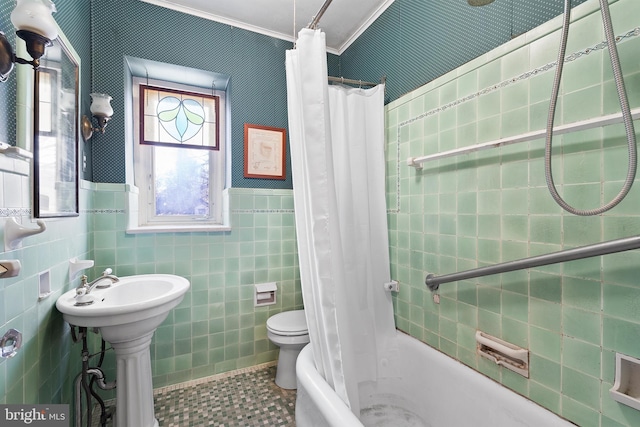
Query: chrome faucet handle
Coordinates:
[83,297]
[82,293]
[107,271]
[82,287]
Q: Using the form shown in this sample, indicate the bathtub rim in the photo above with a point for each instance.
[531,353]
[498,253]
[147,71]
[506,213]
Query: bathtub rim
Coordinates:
[324,397]
[329,404]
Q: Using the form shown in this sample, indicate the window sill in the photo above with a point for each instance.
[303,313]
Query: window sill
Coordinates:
[174,228]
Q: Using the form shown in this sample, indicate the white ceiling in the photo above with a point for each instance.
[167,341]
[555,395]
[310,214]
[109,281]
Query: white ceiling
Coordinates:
[343,21]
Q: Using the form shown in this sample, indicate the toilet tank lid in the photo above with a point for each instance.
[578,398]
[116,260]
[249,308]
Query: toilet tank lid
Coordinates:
[288,321]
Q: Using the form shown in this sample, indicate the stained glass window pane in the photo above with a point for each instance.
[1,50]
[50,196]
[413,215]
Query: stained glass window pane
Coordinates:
[179,119]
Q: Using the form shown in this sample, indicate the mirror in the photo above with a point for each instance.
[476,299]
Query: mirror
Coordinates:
[55,136]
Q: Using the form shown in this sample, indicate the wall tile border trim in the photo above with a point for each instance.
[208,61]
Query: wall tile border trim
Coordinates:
[10,212]
[104,211]
[261,211]
[600,46]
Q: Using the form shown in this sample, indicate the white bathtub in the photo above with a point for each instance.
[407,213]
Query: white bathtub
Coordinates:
[432,390]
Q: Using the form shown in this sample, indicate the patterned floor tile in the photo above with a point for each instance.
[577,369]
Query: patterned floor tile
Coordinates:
[247,397]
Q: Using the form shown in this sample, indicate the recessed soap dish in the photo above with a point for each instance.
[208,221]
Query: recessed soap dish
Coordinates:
[626,388]
[44,285]
[503,353]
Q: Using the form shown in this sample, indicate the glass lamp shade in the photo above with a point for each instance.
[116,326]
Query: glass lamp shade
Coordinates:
[35,16]
[101,105]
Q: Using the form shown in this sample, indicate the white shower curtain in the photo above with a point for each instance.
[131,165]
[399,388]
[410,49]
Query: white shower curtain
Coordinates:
[337,155]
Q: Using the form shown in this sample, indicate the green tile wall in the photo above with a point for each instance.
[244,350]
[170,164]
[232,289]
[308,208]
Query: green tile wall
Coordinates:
[216,328]
[492,206]
[44,368]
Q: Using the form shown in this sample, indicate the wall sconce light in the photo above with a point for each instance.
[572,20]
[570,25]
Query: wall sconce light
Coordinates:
[100,110]
[35,25]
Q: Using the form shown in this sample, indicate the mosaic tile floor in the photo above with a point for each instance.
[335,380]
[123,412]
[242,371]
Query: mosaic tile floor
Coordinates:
[247,397]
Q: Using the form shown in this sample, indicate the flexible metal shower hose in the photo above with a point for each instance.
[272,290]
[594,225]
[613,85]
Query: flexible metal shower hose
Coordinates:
[624,104]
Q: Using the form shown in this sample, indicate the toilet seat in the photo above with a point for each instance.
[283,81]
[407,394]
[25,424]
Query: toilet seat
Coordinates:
[288,323]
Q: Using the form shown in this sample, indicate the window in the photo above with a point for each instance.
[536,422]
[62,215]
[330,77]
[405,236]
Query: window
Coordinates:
[176,118]
[178,154]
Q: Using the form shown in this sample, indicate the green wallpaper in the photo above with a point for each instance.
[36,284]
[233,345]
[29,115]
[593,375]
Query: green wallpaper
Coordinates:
[74,20]
[255,63]
[492,206]
[7,89]
[416,41]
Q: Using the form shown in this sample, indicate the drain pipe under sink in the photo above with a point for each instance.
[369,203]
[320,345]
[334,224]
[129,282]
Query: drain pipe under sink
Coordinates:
[81,381]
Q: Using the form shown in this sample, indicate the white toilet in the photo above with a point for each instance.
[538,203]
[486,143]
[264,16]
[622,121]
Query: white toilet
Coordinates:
[288,330]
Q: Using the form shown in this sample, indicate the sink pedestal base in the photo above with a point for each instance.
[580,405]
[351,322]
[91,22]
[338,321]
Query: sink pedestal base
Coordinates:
[127,314]
[134,391]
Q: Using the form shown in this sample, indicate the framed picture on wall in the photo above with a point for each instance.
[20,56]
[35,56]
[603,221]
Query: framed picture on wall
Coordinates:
[264,152]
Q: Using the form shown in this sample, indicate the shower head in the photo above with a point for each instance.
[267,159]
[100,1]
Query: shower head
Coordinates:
[479,2]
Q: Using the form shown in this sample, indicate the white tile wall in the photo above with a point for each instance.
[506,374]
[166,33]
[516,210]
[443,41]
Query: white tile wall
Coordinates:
[14,183]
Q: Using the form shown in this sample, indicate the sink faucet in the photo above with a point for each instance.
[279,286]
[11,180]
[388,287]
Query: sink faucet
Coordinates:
[84,287]
[83,290]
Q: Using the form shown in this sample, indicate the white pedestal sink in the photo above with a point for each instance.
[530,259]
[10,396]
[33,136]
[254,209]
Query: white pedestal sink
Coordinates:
[127,314]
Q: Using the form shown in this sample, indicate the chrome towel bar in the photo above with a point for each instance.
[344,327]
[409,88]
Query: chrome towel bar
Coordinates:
[610,119]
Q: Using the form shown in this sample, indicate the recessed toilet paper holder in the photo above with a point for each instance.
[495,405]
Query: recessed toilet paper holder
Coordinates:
[265,294]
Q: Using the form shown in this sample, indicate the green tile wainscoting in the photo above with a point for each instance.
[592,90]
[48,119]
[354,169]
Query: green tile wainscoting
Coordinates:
[215,329]
[44,368]
[493,206]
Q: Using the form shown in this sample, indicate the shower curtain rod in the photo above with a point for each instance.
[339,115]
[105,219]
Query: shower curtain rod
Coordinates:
[314,22]
[355,82]
[604,248]
[312,25]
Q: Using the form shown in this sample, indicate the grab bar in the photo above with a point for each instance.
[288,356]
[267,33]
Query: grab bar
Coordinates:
[610,119]
[604,248]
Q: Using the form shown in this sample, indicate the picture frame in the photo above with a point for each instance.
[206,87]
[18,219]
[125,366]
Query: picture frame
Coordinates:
[264,152]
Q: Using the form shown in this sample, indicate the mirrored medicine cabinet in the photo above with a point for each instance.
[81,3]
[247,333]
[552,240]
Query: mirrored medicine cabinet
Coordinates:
[48,124]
